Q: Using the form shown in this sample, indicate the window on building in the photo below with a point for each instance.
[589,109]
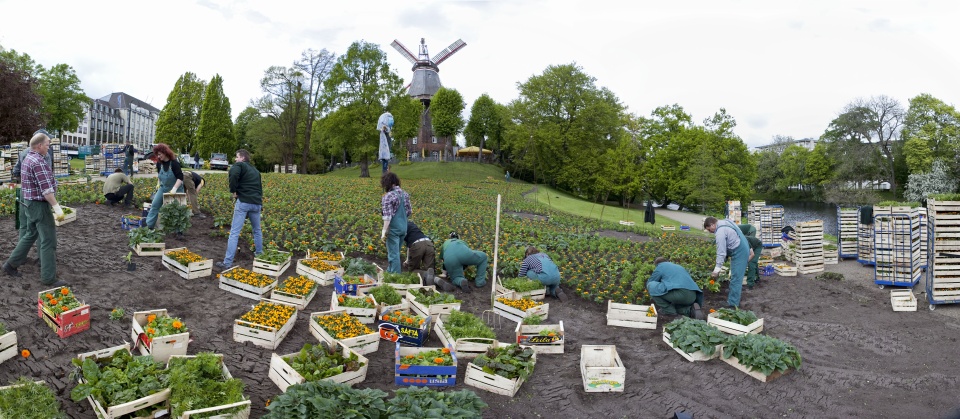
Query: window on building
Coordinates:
[414,140]
[434,140]
[435,154]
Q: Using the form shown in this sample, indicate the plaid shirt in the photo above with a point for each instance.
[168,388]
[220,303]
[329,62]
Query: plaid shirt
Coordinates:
[391,203]
[37,177]
[530,263]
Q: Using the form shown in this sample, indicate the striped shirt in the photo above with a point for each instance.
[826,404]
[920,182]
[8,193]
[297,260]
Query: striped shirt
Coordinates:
[530,263]
[391,203]
[37,177]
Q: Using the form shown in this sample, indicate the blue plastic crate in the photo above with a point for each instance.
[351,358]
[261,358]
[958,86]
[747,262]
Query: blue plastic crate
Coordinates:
[130,222]
[424,375]
[767,270]
[342,287]
[684,228]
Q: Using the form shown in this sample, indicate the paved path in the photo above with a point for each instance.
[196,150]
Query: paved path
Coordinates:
[694,220]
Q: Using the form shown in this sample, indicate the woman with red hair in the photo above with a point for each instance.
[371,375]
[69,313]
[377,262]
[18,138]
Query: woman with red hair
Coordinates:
[170,176]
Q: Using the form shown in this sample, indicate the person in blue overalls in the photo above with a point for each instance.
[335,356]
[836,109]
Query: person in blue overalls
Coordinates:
[538,266]
[384,125]
[170,177]
[732,242]
[396,208]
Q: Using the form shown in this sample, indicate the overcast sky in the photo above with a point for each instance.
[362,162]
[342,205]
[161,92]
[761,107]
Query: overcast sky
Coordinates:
[778,67]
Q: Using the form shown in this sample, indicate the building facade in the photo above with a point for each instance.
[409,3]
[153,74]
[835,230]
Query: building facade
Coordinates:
[433,149]
[114,119]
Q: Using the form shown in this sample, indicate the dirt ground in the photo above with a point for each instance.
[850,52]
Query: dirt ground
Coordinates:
[860,359]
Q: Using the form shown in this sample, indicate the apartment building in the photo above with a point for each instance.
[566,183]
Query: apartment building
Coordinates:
[113,119]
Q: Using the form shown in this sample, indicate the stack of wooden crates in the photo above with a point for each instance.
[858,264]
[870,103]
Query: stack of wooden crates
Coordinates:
[943,268]
[896,240]
[847,232]
[734,212]
[808,246]
[864,240]
[771,225]
[753,212]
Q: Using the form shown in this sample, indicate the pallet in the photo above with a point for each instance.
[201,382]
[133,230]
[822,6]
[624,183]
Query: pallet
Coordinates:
[117,411]
[601,369]
[242,414]
[363,344]
[8,346]
[201,269]
[283,375]
[150,249]
[733,361]
[903,300]
[161,347]
[630,315]
[529,335]
[271,269]
[260,335]
[323,278]
[467,348]
[242,289]
[67,218]
[423,375]
[697,356]
[365,315]
[732,328]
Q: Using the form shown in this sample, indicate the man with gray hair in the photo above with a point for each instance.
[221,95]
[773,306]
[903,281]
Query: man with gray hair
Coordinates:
[38,208]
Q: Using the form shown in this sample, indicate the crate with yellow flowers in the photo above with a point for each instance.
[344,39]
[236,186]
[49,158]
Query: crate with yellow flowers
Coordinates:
[246,283]
[157,334]
[399,323]
[338,326]
[296,290]
[63,312]
[187,264]
[321,272]
[520,308]
[266,324]
[332,258]
[363,307]
[637,316]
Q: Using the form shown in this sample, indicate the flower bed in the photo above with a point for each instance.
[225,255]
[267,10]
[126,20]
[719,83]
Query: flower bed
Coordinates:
[522,288]
[337,325]
[321,272]
[246,283]
[364,307]
[63,312]
[400,324]
[694,340]
[466,333]
[159,335]
[353,285]
[502,369]
[761,357]
[429,367]
[519,309]
[631,315]
[104,369]
[272,262]
[266,324]
[601,369]
[334,362]
[427,301]
[735,322]
[295,290]
[187,264]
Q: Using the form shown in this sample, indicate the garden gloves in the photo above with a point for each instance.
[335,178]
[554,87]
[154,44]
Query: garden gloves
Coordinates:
[57,212]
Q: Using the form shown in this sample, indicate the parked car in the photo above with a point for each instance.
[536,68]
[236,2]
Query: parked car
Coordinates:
[219,161]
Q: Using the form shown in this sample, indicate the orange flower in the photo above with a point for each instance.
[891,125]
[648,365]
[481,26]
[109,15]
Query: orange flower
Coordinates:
[370,247]
[437,360]
[53,302]
[446,350]
[713,311]
[25,353]
[177,324]
[64,308]
[712,282]
[151,318]
[64,291]
[48,295]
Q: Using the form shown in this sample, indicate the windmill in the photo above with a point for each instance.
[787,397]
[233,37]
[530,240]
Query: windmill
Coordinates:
[426,80]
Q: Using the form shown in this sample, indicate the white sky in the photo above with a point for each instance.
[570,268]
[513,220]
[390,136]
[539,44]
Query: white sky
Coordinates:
[778,67]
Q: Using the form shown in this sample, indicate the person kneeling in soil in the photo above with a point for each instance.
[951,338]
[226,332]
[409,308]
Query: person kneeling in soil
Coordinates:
[118,187]
[455,255]
[420,254]
[538,266]
[673,290]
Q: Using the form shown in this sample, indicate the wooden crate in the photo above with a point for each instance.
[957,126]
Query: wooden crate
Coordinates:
[8,346]
[692,357]
[67,323]
[630,315]
[517,315]
[423,375]
[271,269]
[402,288]
[322,278]
[111,412]
[365,315]
[733,361]
[161,347]
[785,270]
[601,369]
[734,328]
[242,289]
[149,249]
[903,300]
[201,269]
[363,344]
[396,332]
[180,198]
[263,336]
[312,255]
[437,311]
[668,228]
[467,348]
[298,301]
[538,294]
[67,218]
[529,335]
[283,375]
[242,414]
[491,382]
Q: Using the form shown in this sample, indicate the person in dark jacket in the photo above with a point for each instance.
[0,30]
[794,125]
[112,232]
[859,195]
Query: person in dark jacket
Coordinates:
[421,256]
[128,152]
[247,189]
[753,265]
[673,290]
[648,215]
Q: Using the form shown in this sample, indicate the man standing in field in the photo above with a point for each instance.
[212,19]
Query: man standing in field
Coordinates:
[247,190]
[732,242]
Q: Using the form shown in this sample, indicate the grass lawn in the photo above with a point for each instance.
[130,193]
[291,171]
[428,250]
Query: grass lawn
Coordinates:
[77,165]
[467,172]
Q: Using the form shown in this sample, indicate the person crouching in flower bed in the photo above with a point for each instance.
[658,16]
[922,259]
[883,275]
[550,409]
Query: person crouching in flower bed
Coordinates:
[674,292]
[538,266]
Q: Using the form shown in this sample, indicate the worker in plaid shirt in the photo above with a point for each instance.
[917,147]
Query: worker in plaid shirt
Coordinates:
[38,208]
[538,266]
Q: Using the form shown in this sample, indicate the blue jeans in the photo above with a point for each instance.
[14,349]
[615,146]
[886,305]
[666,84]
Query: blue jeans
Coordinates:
[385,164]
[242,211]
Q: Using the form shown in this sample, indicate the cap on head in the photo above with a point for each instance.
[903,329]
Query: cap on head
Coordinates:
[454,235]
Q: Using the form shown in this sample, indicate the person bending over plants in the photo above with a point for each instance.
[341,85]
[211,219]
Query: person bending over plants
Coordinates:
[456,255]
[674,292]
[538,266]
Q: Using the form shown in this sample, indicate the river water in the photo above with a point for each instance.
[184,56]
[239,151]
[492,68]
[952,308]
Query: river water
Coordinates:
[800,211]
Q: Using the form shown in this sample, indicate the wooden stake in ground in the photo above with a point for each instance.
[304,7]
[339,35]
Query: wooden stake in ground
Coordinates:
[493,282]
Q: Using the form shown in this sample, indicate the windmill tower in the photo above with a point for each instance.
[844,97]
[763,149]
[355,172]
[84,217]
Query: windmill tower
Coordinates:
[426,80]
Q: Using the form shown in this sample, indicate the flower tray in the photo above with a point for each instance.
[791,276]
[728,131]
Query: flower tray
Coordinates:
[733,361]
[402,288]
[8,346]
[67,218]
[201,269]
[67,323]
[299,301]
[283,375]
[243,289]
[125,409]
[903,300]
[313,255]
[161,347]
[529,335]
[261,335]
[436,311]
[785,270]
[365,315]
[537,294]
[342,287]
[395,332]
[694,356]
[601,369]
[734,328]
[363,344]
[423,375]
[323,278]
[631,315]
[466,348]
[493,383]
[149,249]
[242,414]
[271,269]
[518,315]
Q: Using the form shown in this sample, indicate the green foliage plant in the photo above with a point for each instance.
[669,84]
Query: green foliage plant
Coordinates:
[762,353]
[3,329]
[26,399]
[175,217]
[461,325]
[532,320]
[316,362]
[144,235]
[405,278]
[509,361]
[119,378]
[117,314]
[946,196]
[429,297]
[386,295]
[690,335]
[273,256]
[359,267]
[198,382]
[741,317]
[522,284]
[326,399]
[422,402]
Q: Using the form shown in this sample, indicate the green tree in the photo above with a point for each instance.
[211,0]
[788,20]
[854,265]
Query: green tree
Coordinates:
[284,104]
[918,154]
[315,68]
[819,167]
[63,99]
[215,133]
[705,181]
[485,127]
[666,145]
[793,166]
[446,112]
[20,104]
[179,119]
[931,130]
[242,125]
[21,62]
[620,171]
[768,168]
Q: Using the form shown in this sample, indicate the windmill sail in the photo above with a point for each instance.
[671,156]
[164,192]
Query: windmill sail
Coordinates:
[404,51]
[448,51]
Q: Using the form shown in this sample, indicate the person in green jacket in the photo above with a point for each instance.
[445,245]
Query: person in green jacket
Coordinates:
[247,189]
[455,255]
[753,265]
[673,290]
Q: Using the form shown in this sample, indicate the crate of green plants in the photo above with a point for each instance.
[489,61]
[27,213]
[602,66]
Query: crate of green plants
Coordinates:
[353,285]
[296,290]
[428,367]
[735,321]
[759,356]
[29,399]
[69,216]
[157,334]
[324,361]
[272,262]
[502,369]
[403,281]
[321,272]
[466,333]
[543,338]
[694,340]
[118,384]
[146,242]
[201,386]
[8,343]
[363,307]
[338,326]
[427,301]
[522,288]
[400,324]
[372,272]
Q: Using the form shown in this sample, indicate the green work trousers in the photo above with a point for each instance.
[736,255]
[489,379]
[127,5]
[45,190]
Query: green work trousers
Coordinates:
[675,301]
[36,222]
[753,266]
